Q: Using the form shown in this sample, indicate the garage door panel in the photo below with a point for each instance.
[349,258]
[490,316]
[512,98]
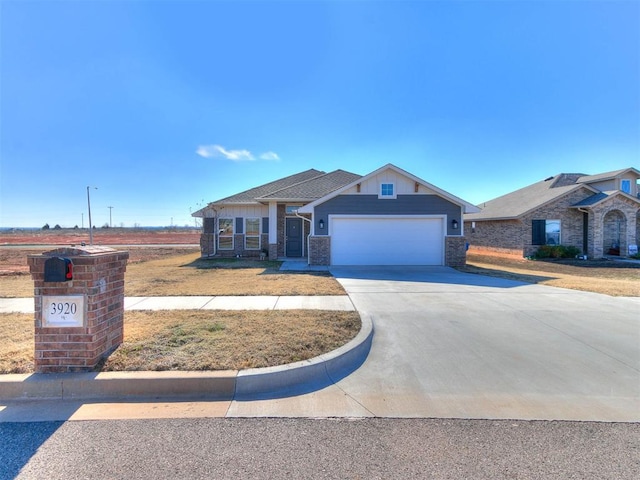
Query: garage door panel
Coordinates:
[386,241]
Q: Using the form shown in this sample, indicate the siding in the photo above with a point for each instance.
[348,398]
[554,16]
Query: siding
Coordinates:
[402,205]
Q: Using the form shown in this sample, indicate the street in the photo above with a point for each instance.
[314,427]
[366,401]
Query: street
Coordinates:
[319,448]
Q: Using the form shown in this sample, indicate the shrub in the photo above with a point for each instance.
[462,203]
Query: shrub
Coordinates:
[557,251]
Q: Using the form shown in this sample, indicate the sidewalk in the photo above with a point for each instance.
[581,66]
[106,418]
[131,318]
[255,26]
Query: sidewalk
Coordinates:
[338,302]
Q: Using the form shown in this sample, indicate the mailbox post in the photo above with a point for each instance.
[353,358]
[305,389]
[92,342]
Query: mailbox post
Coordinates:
[79,306]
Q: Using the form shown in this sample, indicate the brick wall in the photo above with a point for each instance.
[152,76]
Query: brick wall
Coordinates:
[455,251]
[320,250]
[516,234]
[98,275]
[496,234]
[605,223]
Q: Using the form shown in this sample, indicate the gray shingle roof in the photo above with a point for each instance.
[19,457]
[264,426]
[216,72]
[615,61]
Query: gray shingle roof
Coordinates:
[304,186]
[249,196]
[593,199]
[516,204]
[602,176]
[519,202]
[314,188]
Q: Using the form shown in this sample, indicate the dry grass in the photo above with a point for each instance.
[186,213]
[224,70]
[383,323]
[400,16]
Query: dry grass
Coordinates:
[609,277]
[173,271]
[191,275]
[198,340]
[17,346]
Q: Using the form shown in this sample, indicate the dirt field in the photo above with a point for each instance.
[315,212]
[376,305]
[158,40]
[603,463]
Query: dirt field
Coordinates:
[102,236]
[15,246]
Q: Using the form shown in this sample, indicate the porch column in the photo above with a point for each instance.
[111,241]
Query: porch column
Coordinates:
[632,228]
[273,230]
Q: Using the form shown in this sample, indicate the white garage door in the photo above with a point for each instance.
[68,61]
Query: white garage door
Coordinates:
[374,240]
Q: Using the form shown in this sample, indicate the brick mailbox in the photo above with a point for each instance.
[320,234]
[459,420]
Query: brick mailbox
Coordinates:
[79,306]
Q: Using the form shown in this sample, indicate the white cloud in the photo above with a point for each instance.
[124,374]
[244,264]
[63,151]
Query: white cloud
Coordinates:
[218,151]
[270,156]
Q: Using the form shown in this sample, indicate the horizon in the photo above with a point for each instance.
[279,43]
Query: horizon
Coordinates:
[166,106]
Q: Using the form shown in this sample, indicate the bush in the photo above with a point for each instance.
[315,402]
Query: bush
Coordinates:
[557,251]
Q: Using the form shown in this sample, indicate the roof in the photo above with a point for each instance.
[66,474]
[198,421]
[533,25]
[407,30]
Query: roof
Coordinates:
[250,196]
[606,176]
[517,203]
[313,188]
[301,187]
[599,197]
[452,198]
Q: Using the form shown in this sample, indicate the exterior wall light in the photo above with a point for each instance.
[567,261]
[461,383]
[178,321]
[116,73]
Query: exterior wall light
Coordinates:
[454,224]
[321,224]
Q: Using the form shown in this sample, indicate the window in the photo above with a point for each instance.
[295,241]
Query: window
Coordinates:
[387,190]
[225,234]
[252,233]
[291,209]
[625,185]
[546,232]
[552,231]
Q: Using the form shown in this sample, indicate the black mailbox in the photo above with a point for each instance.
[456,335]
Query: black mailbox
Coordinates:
[58,269]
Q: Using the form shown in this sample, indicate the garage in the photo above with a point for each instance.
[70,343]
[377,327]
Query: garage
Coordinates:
[386,240]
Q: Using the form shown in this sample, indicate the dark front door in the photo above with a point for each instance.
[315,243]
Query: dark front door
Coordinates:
[293,237]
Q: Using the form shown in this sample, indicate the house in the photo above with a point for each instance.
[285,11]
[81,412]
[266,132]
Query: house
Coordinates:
[388,217]
[599,214]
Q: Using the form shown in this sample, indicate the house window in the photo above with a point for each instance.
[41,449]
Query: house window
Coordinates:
[291,209]
[387,190]
[225,234]
[546,232]
[252,233]
[625,185]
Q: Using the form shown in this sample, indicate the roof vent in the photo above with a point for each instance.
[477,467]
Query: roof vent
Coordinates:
[547,179]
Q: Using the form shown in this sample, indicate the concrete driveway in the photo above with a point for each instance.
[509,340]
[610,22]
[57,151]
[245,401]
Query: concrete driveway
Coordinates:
[456,345]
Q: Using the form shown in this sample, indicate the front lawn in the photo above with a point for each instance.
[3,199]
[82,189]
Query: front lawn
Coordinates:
[611,277]
[200,340]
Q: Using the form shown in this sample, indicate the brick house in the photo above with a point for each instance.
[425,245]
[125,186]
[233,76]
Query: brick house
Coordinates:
[599,214]
[388,217]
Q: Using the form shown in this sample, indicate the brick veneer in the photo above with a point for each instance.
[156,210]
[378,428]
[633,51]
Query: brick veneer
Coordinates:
[320,250]
[516,235]
[98,274]
[455,251]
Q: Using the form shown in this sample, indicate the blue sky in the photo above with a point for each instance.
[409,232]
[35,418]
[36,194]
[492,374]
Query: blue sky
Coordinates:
[165,106]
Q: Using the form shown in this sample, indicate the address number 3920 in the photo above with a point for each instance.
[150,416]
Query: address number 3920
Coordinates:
[63,308]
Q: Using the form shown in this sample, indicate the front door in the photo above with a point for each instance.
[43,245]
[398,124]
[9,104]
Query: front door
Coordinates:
[293,237]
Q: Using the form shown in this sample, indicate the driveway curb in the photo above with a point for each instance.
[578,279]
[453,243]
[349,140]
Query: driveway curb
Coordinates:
[271,382]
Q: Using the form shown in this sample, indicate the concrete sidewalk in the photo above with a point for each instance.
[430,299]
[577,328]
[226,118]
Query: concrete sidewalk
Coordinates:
[337,302]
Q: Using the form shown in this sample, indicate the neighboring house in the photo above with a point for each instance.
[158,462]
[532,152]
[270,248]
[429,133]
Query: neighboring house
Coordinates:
[388,217]
[599,214]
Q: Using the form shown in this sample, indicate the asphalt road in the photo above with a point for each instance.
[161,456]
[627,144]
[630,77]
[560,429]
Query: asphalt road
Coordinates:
[328,448]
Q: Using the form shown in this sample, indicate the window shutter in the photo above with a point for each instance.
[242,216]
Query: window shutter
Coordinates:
[265,224]
[538,232]
[239,225]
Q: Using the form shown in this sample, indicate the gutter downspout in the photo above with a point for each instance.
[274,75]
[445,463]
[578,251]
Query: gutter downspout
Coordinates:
[310,225]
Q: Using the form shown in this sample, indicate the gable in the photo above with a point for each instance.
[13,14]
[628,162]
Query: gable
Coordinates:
[404,184]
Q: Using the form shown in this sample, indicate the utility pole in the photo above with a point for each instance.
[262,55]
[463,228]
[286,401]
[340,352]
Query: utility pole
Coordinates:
[110,208]
[89,208]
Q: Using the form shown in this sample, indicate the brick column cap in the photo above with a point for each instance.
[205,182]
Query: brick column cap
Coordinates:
[77,251]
